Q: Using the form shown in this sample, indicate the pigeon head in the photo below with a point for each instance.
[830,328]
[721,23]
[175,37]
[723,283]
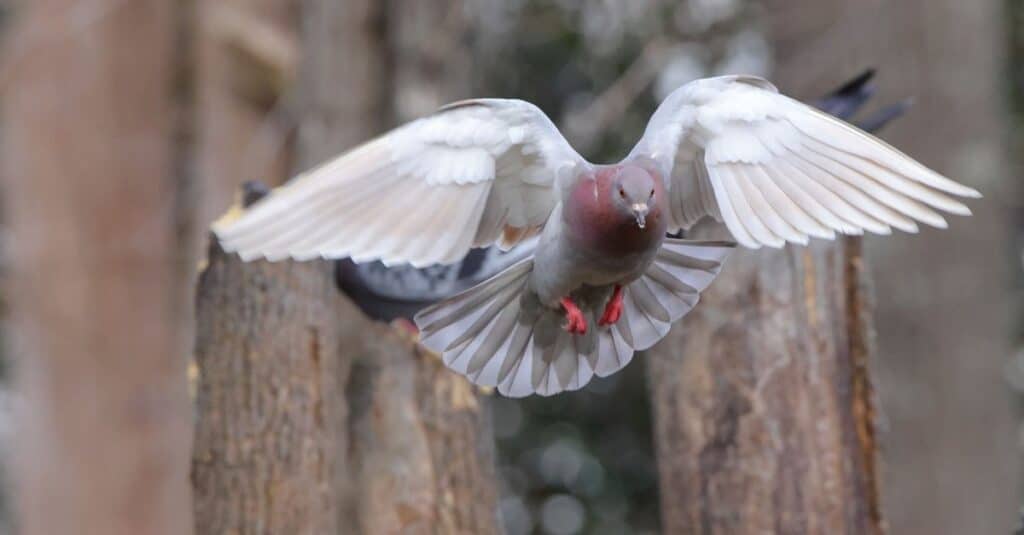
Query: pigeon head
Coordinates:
[633,192]
[617,208]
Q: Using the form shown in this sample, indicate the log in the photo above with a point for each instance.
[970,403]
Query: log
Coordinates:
[422,442]
[270,399]
[764,409]
[313,419]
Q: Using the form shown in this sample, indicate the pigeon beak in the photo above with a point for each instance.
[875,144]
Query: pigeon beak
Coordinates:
[640,210]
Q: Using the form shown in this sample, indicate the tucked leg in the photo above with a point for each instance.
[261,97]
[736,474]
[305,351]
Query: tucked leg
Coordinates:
[613,310]
[577,323]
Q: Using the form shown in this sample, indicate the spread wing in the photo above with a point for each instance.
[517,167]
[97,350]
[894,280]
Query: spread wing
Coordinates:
[776,170]
[475,173]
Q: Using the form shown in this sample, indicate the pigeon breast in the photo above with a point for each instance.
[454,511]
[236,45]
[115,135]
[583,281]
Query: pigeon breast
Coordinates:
[594,222]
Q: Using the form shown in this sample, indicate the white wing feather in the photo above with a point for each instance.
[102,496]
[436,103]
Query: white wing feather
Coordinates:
[776,170]
[476,172]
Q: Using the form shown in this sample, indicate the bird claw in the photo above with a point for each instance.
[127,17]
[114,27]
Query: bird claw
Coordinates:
[576,322]
[613,310]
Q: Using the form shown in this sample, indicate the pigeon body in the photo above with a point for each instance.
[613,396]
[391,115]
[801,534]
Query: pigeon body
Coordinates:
[606,232]
[603,281]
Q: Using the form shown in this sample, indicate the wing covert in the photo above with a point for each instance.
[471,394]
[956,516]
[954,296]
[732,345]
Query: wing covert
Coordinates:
[474,173]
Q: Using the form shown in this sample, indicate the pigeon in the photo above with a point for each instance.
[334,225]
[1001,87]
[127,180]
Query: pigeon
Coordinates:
[604,280]
[396,293]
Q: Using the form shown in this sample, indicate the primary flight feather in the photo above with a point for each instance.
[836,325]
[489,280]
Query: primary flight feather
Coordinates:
[604,281]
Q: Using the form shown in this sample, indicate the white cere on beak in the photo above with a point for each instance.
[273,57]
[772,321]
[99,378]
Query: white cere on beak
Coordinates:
[640,210]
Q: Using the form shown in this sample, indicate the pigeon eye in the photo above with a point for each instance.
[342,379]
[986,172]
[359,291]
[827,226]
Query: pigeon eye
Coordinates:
[622,193]
[652,193]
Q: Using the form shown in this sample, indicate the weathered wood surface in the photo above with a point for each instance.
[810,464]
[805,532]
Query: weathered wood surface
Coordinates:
[270,398]
[422,443]
[763,404]
[312,419]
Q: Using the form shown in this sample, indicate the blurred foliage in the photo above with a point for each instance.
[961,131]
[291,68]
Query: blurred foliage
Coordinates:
[589,452]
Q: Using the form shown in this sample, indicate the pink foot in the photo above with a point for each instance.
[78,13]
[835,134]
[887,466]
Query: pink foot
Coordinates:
[613,310]
[577,324]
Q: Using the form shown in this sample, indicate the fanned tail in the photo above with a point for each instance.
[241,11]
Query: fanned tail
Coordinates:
[498,335]
[669,289]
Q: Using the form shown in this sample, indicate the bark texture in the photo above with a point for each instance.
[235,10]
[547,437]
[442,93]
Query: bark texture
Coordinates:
[270,401]
[763,404]
[422,443]
[314,419]
[288,442]
[89,152]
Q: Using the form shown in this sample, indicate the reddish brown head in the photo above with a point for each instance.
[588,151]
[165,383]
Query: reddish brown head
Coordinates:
[618,209]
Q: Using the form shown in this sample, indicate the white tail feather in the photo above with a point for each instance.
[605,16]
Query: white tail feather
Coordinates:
[498,334]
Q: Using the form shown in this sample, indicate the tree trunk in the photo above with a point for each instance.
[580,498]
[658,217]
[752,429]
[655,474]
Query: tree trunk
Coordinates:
[422,443]
[89,150]
[270,401]
[400,444]
[763,406]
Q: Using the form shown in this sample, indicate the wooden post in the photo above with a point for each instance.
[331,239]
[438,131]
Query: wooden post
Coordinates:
[763,404]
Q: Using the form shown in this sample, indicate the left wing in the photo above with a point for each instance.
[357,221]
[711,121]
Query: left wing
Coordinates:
[776,170]
[474,173]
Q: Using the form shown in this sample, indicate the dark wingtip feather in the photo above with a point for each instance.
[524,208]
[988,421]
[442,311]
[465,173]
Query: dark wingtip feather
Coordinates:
[850,97]
[858,83]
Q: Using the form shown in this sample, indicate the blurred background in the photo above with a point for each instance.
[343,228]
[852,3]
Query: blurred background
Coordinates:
[949,370]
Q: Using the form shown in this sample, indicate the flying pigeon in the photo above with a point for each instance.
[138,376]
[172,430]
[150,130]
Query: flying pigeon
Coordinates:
[397,292]
[603,280]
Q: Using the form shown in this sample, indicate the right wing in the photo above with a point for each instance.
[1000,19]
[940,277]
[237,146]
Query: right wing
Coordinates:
[776,170]
[476,172]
